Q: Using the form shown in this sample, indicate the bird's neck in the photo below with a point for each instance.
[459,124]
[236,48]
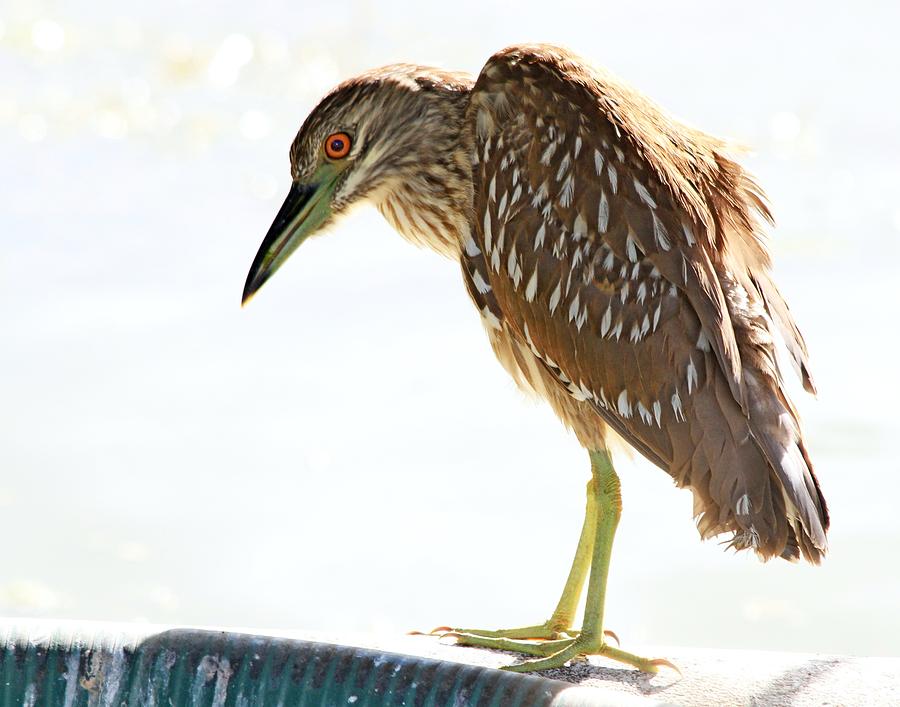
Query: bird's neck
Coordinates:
[429,200]
[423,220]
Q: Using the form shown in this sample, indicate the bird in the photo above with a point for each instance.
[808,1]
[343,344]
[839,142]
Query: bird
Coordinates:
[619,261]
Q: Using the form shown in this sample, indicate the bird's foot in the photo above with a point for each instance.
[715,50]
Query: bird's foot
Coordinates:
[541,632]
[555,653]
[548,631]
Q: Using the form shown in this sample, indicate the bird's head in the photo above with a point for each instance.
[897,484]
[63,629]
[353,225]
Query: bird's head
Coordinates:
[363,139]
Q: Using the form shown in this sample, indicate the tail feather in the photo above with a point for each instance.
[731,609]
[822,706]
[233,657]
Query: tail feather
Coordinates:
[777,434]
[780,314]
[771,498]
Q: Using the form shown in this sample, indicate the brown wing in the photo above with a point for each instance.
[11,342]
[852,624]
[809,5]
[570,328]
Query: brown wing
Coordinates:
[621,248]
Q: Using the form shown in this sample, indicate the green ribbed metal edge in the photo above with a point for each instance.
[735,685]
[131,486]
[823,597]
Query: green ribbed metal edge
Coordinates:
[223,669]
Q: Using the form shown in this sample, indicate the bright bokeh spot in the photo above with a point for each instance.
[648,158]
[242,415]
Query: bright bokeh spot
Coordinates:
[254,125]
[233,54]
[33,127]
[48,35]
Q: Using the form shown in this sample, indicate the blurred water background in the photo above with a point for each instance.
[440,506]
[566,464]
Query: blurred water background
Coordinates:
[345,454]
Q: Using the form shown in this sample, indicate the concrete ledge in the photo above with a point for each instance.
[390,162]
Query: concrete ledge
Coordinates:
[710,677]
[724,677]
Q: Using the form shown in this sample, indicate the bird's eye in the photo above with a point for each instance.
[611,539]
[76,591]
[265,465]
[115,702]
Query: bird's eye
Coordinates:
[337,146]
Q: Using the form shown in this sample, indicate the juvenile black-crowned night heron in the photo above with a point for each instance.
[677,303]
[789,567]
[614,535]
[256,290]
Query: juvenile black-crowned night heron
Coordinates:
[617,260]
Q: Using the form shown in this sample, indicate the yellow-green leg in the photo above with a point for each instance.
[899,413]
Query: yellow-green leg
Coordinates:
[560,623]
[604,507]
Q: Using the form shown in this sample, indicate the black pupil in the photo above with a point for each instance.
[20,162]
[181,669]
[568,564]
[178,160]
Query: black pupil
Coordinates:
[337,145]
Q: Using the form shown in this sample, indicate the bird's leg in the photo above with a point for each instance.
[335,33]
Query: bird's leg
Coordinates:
[559,625]
[591,639]
[607,508]
[564,614]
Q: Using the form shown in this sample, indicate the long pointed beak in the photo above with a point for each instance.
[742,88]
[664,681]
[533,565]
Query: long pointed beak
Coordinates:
[303,211]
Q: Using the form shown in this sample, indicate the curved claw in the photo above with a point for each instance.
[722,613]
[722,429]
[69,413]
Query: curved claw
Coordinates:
[662,662]
[436,631]
[612,635]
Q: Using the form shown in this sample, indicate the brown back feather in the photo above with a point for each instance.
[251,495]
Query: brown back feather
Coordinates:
[623,250]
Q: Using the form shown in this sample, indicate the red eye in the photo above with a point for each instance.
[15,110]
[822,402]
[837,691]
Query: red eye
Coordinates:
[337,145]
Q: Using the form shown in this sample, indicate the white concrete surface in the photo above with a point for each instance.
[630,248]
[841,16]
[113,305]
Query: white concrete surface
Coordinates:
[709,676]
[749,678]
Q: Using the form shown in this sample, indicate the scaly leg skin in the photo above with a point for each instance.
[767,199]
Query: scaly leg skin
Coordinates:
[559,625]
[594,548]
